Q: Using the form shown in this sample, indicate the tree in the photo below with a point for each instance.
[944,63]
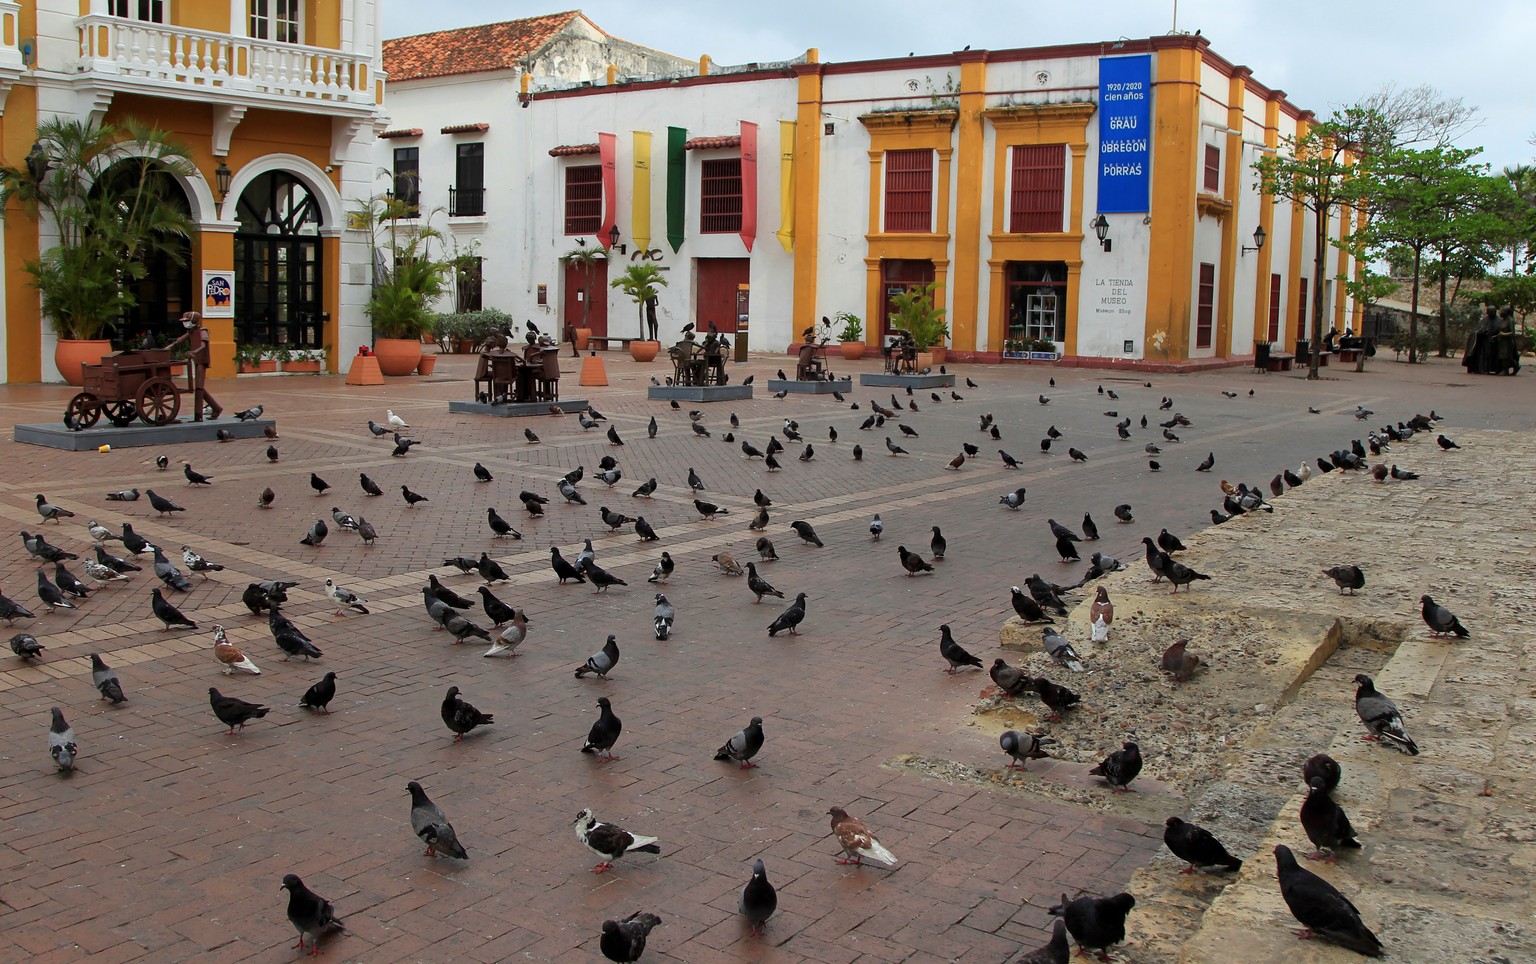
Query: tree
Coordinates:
[1368,287]
[642,282]
[1419,116]
[1522,212]
[1517,291]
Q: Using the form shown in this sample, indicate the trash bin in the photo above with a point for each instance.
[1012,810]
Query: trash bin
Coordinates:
[1261,356]
[1303,351]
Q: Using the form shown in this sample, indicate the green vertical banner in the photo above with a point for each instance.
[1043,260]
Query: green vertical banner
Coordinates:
[677,184]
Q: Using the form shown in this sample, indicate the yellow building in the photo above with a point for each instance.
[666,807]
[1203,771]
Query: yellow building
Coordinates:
[276,101]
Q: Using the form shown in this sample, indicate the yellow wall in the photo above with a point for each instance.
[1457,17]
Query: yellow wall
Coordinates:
[1232,163]
[23,327]
[965,278]
[204,15]
[1295,309]
[1264,256]
[807,195]
[1176,144]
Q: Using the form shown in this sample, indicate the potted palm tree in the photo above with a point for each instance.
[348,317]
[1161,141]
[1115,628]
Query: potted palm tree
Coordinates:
[851,336]
[642,282]
[110,206]
[589,259]
[403,290]
[915,312]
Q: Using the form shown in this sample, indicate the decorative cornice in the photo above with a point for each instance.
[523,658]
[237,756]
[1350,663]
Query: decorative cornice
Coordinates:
[915,119]
[1078,111]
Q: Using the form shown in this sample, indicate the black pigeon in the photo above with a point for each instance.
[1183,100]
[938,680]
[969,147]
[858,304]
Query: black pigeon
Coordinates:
[411,498]
[1197,847]
[789,618]
[500,528]
[1090,530]
[938,544]
[953,652]
[432,826]
[1217,518]
[1028,609]
[744,745]
[604,733]
[105,679]
[482,473]
[1054,951]
[1180,574]
[1168,542]
[908,431]
[232,712]
[318,484]
[1322,767]
[760,586]
[1076,455]
[310,914]
[912,562]
[1123,513]
[161,504]
[858,453]
[448,596]
[1320,907]
[1441,621]
[1046,594]
[1066,550]
[67,582]
[602,661]
[1157,559]
[758,899]
[1207,462]
[1325,822]
[319,696]
[1347,577]
[1096,922]
[272,455]
[195,478]
[1446,444]
[497,611]
[461,717]
[613,436]
[1118,770]
[1061,532]
[51,596]
[490,570]
[806,533]
[26,646]
[694,482]
[624,940]
[563,569]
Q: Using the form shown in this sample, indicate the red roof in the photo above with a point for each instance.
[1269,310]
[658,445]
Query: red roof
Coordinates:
[711,143]
[571,150]
[472,50]
[401,132]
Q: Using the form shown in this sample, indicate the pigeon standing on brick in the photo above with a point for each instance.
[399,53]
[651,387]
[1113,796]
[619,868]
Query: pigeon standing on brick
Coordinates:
[791,617]
[1381,716]
[1054,951]
[624,940]
[663,618]
[953,652]
[432,826]
[744,745]
[61,742]
[1320,908]
[460,716]
[310,914]
[510,637]
[319,696]
[610,841]
[1197,847]
[856,840]
[601,662]
[234,712]
[26,646]
[1096,922]
[1118,770]
[758,899]
[105,680]
[604,733]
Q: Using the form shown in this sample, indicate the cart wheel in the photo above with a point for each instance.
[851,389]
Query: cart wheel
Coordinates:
[83,411]
[159,401]
[120,414]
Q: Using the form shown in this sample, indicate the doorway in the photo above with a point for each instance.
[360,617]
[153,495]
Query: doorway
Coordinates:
[164,291]
[278,266]
[716,281]
[1037,301]
[898,276]
[586,295]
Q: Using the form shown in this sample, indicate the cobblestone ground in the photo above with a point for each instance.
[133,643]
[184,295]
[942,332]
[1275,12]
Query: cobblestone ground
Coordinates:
[171,839]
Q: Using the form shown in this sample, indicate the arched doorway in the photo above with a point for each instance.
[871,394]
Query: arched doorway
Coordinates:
[279,281]
[163,291]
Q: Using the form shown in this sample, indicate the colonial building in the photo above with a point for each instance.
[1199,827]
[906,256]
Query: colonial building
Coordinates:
[1097,196]
[277,100]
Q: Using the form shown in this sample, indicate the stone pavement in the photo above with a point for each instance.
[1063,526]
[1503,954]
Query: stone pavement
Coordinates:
[170,841]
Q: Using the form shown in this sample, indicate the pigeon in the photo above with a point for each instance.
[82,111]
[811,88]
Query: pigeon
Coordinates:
[759,522]
[162,462]
[104,678]
[51,512]
[411,498]
[482,474]
[569,493]
[1322,767]
[319,696]
[162,505]
[447,595]
[1123,513]
[318,484]
[604,733]
[1076,455]
[791,617]
[309,913]
[1009,462]
[1168,542]
[663,570]
[610,476]
[758,899]
[765,549]
[51,596]
[613,520]
[806,533]
[856,840]
[1217,517]
[1325,822]
[1009,679]
[1102,612]
[1090,528]
[1118,770]
[1045,400]
[624,940]
[1096,922]
[600,577]
[610,841]
[1045,594]
[1065,549]
[460,716]
[266,498]
[1180,574]
[1023,747]
[663,617]
[1441,621]
[1403,474]
[1054,951]
[1178,662]
[1320,908]
[1060,649]
[498,612]
[744,745]
[26,646]
[344,598]
[67,582]
[912,562]
[1013,499]
[1381,716]
[953,652]
[759,585]
[316,534]
[61,742]
[858,453]
[366,531]
[198,564]
[893,448]
[1197,847]
[699,430]
[1028,609]
[601,662]
[727,564]
[1347,577]
[1446,444]
[123,495]
[613,436]
[234,712]
[394,420]
[432,826]
[1105,563]
[378,430]
[511,637]
[646,489]
[490,570]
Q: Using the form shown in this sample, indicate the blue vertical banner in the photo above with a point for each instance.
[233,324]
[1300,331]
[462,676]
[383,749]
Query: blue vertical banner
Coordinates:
[1125,134]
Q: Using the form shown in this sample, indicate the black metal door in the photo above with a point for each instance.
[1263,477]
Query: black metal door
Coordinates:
[279,271]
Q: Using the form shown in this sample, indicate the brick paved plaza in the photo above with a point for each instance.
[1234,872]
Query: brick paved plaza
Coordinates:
[171,840]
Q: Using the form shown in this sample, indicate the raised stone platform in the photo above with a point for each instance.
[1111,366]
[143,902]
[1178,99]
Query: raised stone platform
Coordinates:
[822,387]
[55,436]
[516,409]
[698,393]
[888,380]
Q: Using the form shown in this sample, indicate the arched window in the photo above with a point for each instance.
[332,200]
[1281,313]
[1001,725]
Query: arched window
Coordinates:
[278,267]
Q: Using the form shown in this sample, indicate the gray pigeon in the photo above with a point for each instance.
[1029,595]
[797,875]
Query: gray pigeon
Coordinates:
[1380,715]
[309,913]
[758,899]
[105,680]
[1060,649]
[665,616]
[1013,499]
[61,742]
[601,662]
[1441,621]
[1023,747]
[432,826]
[744,745]
[26,646]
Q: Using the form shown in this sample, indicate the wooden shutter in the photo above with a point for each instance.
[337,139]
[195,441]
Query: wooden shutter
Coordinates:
[909,192]
[1205,313]
[1039,188]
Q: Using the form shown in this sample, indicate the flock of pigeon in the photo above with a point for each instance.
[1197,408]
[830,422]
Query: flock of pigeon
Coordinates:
[1094,923]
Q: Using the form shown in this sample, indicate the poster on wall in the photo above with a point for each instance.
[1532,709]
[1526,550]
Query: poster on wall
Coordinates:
[218,294]
[1125,128]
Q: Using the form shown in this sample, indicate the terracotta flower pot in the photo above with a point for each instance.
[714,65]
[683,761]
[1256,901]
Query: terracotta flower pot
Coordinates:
[583,335]
[397,356]
[69,354]
[644,351]
[852,350]
[925,360]
[308,366]
[259,367]
[427,365]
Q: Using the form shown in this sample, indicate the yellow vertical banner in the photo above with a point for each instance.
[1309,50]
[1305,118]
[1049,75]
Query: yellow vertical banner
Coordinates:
[641,215]
[786,233]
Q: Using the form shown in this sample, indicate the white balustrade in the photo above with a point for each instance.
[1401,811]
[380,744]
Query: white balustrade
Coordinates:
[10,34]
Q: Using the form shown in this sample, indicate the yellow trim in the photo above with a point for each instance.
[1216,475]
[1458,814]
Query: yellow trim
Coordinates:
[1021,126]
[640,206]
[966,280]
[1342,268]
[1264,256]
[1293,283]
[1170,259]
[215,251]
[1226,271]
[787,199]
[23,313]
[807,195]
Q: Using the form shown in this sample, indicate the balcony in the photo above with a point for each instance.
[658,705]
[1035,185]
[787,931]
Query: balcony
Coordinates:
[12,65]
[466,202]
[166,60]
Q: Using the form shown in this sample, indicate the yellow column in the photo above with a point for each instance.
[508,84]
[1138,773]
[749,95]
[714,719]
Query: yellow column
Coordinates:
[23,316]
[330,250]
[215,251]
[807,193]
[1170,262]
[1232,151]
[1298,311]
[1357,312]
[1264,256]
[966,276]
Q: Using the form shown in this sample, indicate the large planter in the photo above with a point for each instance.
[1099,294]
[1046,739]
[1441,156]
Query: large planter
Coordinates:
[397,356]
[583,335]
[924,360]
[852,350]
[644,351]
[427,365]
[69,354]
[263,367]
[939,353]
[309,366]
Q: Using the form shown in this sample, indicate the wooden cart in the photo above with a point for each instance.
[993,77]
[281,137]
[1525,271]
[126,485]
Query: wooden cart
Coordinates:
[125,386]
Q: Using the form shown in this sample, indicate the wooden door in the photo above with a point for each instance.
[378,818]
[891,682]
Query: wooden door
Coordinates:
[586,285]
[715,298]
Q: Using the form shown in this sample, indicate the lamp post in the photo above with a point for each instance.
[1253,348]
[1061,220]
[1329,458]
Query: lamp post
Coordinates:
[222,175]
[1258,240]
[1101,231]
[613,240]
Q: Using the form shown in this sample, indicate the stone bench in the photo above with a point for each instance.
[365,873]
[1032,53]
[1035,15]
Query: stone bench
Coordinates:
[1281,361]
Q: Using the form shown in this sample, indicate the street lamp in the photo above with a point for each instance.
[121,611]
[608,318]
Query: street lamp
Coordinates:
[222,175]
[613,240]
[1258,240]
[1101,231]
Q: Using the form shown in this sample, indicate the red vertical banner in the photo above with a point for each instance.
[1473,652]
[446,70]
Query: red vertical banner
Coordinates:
[608,150]
[748,183]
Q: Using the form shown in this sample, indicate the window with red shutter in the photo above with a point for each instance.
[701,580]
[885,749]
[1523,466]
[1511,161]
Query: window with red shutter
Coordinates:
[720,196]
[1039,188]
[583,199]
[909,192]
[1205,312]
[1303,305]
[1274,307]
[1213,168]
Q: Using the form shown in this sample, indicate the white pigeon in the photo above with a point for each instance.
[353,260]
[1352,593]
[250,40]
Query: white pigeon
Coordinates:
[1305,472]
[344,598]
[101,533]
[102,573]
[394,419]
[511,636]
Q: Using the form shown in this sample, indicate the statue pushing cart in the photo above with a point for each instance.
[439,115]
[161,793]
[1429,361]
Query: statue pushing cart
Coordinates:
[139,385]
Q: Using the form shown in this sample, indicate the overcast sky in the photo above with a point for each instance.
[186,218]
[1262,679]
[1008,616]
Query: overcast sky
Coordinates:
[1322,53]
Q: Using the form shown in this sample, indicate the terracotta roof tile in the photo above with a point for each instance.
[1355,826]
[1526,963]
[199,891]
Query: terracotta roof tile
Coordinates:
[472,50]
[572,150]
[711,143]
